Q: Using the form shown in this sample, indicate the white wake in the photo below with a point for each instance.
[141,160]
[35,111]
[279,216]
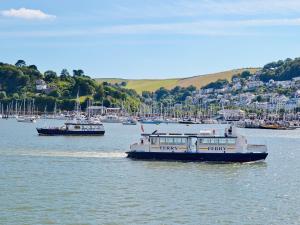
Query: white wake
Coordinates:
[78,154]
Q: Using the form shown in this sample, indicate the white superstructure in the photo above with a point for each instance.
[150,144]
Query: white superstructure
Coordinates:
[202,142]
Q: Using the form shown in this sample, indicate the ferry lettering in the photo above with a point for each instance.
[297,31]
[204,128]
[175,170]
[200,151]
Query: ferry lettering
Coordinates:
[216,148]
[171,148]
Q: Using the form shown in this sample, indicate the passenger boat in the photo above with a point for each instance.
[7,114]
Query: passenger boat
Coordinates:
[80,128]
[202,147]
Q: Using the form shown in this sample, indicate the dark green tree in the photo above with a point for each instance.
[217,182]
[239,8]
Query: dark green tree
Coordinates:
[50,76]
[20,63]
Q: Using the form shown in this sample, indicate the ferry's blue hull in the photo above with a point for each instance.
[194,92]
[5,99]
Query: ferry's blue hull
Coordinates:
[56,132]
[199,157]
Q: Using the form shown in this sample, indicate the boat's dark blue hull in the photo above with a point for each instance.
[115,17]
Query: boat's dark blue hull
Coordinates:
[56,132]
[199,157]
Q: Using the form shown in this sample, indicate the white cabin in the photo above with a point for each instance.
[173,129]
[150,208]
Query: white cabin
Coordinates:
[202,142]
[77,126]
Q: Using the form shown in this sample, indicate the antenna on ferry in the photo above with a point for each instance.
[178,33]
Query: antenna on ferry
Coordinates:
[78,102]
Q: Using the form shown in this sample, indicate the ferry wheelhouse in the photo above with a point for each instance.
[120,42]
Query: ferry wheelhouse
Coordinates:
[203,146]
[74,128]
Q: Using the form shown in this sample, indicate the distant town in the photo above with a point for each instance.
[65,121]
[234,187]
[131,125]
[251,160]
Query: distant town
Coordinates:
[272,92]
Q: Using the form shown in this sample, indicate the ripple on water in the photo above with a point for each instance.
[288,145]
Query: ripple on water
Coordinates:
[72,180]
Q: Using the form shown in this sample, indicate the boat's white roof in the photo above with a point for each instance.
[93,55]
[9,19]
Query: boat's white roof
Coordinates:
[83,123]
[185,135]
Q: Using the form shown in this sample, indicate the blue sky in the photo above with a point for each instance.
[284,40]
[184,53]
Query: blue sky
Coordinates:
[149,38]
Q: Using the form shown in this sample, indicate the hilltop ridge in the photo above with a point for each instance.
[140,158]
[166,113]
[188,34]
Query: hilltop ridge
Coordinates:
[198,81]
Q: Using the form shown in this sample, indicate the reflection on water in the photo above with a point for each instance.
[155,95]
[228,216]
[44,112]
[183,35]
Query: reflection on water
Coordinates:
[89,180]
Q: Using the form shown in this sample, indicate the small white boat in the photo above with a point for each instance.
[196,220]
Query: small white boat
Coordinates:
[129,122]
[209,121]
[151,121]
[111,119]
[26,119]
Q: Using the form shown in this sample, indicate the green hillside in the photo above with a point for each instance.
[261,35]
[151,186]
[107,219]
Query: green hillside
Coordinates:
[154,84]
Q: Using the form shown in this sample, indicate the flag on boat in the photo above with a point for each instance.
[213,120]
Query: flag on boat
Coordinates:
[142,128]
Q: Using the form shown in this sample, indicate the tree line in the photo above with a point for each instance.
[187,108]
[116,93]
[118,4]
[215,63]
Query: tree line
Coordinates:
[19,81]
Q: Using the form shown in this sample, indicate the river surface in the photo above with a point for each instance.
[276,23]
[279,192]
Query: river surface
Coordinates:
[88,180]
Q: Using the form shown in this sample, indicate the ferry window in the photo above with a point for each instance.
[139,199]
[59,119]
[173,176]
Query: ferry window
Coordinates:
[200,140]
[162,140]
[169,140]
[177,141]
[214,141]
[180,141]
[153,141]
[231,141]
[205,140]
[222,141]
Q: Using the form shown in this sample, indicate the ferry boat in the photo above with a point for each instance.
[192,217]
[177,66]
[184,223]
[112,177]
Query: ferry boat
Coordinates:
[84,128]
[202,147]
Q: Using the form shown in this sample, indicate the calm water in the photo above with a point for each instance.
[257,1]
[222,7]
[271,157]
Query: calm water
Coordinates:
[88,180]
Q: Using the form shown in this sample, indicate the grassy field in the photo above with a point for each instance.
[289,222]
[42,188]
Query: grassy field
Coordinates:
[198,81]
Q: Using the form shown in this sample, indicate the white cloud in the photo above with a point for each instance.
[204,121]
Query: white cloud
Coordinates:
[29,14]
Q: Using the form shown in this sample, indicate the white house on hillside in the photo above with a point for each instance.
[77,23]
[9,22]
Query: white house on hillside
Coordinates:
[40,85]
